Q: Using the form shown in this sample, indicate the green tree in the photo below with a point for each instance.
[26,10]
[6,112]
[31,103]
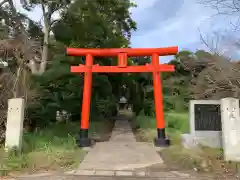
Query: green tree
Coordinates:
[94,24]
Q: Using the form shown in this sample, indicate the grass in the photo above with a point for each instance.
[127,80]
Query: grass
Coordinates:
[176,123]
[204,160]
[53,148]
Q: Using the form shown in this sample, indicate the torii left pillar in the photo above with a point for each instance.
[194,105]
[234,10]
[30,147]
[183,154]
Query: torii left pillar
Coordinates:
[86,104]
[123,53]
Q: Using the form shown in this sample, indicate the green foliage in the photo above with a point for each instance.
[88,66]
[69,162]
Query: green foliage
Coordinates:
[176,86]
[53,147]
[149,107]
[84,24]
[175,123]
[96,24]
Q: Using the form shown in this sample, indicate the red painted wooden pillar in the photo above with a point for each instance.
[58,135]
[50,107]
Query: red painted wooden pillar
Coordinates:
[161,139]
[84,141]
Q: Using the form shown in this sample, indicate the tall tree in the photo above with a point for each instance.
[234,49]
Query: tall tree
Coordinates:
[27,41]
[94,24]
[48,9]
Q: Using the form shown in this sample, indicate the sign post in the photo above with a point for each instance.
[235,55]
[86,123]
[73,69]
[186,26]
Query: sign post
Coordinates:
[122,53]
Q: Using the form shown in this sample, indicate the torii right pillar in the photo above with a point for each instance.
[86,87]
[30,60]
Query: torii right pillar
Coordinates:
[161,140]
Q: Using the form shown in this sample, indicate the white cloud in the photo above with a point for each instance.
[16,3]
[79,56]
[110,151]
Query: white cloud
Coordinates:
[178,25]
[180,29]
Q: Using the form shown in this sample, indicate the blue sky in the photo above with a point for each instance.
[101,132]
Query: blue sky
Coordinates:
[170,23]
[175,22]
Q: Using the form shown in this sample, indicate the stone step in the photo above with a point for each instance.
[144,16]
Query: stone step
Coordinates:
[146,174]
[116,155]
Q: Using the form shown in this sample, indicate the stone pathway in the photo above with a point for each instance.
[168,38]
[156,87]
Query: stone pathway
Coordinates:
[121,152]
[119,158]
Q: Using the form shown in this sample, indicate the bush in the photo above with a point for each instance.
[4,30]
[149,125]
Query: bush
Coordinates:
[177,122]
[148,108]
[59,89]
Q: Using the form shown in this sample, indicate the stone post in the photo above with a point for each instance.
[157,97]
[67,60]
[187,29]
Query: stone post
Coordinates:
[230,128]
[15,118]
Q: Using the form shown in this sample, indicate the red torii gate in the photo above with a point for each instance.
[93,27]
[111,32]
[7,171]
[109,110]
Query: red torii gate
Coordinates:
[122,67]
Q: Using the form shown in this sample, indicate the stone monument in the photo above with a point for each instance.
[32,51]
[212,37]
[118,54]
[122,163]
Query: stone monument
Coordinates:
[15,118]
[230,128]
[205,124]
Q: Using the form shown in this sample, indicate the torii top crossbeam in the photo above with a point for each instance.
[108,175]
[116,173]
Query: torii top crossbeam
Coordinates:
[129,51]
[123,54]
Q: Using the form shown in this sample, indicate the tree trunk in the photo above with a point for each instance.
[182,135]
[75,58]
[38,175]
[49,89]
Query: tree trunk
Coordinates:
[44,60]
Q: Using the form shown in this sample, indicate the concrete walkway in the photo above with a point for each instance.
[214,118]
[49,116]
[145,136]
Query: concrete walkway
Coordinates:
[121,152]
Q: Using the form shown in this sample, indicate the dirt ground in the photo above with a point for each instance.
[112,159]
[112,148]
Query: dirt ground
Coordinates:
[60,177]
[208,164]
